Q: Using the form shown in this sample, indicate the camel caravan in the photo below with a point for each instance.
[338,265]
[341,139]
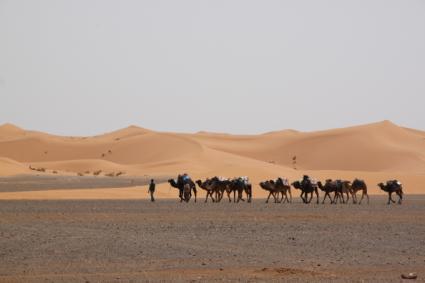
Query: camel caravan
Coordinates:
[337,191]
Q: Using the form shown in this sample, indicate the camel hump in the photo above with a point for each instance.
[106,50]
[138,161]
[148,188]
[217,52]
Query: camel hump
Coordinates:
[284,181]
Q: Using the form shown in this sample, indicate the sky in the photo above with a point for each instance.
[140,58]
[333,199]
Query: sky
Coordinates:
[85,67]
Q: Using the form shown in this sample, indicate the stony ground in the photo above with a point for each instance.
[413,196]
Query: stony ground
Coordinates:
[22,183]
[139,241]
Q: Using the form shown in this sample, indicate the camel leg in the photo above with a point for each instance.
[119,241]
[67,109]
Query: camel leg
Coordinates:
[290,196]
[181,195]
[317,196]
[249,194]
[326,195]
[360,202]
[215,198]
[222,194]
[340,198]
[389,198]
[239,196]
[195,192]
[302,197]
[348,197]
[274,197]
[216,193]
[270,194]
[400,195]
[311,197]
[330,198]
[336,197]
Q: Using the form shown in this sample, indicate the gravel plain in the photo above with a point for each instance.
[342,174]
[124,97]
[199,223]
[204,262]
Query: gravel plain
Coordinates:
[168,241]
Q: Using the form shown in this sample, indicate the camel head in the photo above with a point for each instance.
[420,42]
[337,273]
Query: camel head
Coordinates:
[382,186]
[173,183]
[200,183]
[297,185]
[264,186]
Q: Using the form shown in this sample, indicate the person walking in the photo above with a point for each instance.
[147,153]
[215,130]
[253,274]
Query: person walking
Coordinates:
[152,190]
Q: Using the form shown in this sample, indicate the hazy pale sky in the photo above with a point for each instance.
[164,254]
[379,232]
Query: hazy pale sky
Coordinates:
[83,67]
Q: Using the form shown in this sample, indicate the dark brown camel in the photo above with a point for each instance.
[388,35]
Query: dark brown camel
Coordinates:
[307,186]
[282,186]
[277,188]
[221,185]
[359,185]
[174,184]
[208,187]
[342,188]
[240,185]
[392,186]
[269,187]
[182,180]
[329,187]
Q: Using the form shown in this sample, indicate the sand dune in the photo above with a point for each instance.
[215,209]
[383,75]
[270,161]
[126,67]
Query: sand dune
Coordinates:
[9,167]
[374,152]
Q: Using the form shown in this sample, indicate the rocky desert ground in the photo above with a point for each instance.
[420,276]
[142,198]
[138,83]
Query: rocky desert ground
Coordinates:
[166,241]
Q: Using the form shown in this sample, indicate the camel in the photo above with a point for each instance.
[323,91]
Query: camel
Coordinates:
[392,186]
[221,185]
[241,185]
[269,187]
[282,186]
[275,188]
[182,180]
[307,186]
[359,185]
[338,187]
[248,192]
[329,187]
[247,187]
[209,187]
[342,187]
[174,184]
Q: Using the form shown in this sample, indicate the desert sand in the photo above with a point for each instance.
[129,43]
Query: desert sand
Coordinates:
[374,152]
